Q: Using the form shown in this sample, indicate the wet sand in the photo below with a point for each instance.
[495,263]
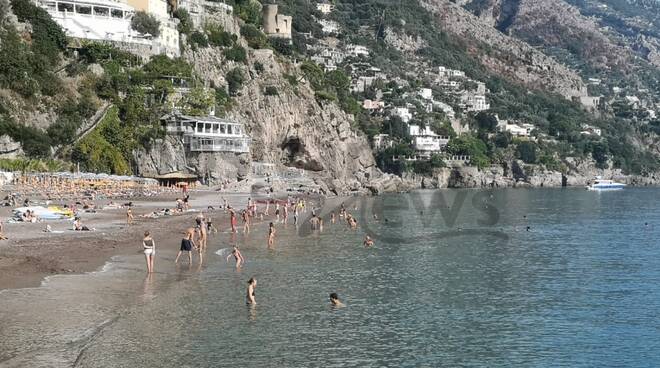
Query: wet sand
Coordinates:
[30,254]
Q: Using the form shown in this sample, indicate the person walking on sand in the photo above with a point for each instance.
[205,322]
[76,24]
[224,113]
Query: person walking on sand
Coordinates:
[237,256]
[187,245]
[252,285]
[149,247]
[271,235]
[129,216]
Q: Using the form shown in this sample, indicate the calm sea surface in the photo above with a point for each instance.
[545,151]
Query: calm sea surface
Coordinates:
[541,278]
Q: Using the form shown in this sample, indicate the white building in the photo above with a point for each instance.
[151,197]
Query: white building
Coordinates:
[590,130]
[208,134]
[382,141]
[448,110]
[425,141]
[357,50]
[329,26]
[403,113]
[426,93]
[110,21]
[522,130]
[373,105]
[325,7]
[476,103]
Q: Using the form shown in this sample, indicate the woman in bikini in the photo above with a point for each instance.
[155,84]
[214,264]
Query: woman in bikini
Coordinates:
[149,247]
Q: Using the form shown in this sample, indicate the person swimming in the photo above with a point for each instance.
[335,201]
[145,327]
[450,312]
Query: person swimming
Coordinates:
[368,242]
[334,299]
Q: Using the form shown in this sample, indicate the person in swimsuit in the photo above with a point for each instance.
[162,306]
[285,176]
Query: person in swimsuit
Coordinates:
[237,256]
[202,234]
[129,216]
[187,245]
[271,235]
[295,215]
[315,222]
[232,216]
[149,247]
[332,217]
[209,226]
[252,284]
[368,242]
[277,212]
[334,299]
[246,221]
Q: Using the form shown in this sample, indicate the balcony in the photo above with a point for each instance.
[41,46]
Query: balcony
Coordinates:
[236,145]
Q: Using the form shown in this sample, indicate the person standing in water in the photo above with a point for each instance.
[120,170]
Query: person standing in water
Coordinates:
[368,242]
[129,216]
[149,247]
[252,285]
[246,221]
[237,256]
[271,235]
[232,220]
[187,245]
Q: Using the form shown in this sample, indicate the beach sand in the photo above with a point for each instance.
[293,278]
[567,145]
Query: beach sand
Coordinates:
[30,254]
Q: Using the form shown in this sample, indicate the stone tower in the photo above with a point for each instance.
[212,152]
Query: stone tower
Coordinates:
[276,25]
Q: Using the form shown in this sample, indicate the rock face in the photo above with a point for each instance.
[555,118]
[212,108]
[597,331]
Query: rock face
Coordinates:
[288,129]
[508,56]
[9,148]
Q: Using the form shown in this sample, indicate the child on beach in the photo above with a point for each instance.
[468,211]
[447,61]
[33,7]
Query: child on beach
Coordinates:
[129,216]
[149,247]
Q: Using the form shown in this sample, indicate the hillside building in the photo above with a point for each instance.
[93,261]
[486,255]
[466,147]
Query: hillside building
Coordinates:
[110,21]
[329,26]
[357,50]
[517,130]
[208,134]
[325,7]
[382,142]
[425,141]
[402,112]
[373,105]
[276,25]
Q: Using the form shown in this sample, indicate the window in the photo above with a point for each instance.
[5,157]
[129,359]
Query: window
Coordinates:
[200,127]
[51,5]
[84,9]
[215,128]
[229,127]
[207,128]
[223,129]
[117,13]
[101,11]
[65,7]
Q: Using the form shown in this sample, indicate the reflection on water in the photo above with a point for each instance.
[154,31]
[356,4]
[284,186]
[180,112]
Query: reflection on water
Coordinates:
[440,288]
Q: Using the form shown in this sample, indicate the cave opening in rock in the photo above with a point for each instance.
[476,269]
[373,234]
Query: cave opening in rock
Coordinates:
[292,148]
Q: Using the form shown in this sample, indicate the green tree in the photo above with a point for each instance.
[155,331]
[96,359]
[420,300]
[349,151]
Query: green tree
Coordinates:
[526,151]
[254,37]
[145,23]
[469,145]
[185,21]
[236,53]
[198,102]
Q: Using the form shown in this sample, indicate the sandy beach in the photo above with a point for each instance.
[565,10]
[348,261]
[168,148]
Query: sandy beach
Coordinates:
[31,254]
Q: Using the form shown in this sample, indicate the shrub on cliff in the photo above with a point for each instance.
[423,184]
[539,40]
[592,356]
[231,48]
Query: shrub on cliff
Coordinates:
[236,53]
[254,37]
[185,22]
[235,79]
[218,37]
[145,23]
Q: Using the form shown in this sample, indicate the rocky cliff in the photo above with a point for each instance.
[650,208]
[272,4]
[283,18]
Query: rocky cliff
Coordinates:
[289,128]
[505,55]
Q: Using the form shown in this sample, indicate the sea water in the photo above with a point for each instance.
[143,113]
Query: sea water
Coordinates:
[512,277]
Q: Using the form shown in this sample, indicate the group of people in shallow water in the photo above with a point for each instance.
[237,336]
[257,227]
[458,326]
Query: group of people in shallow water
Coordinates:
[196,238]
